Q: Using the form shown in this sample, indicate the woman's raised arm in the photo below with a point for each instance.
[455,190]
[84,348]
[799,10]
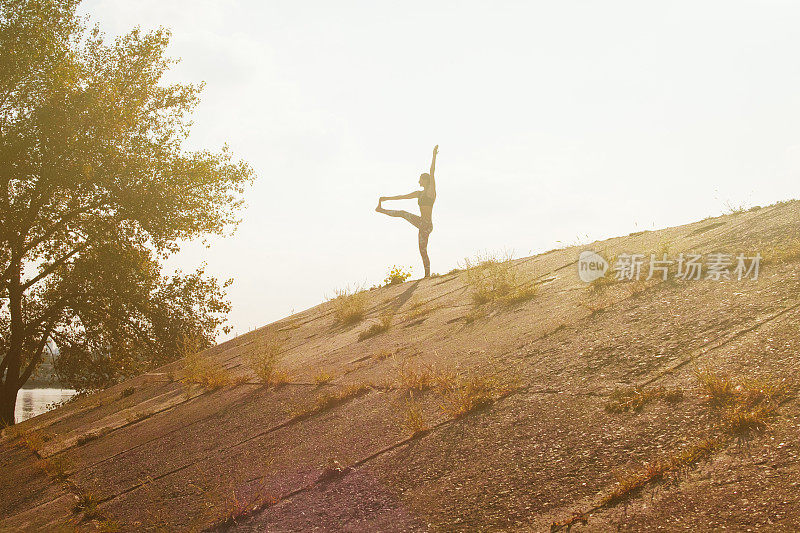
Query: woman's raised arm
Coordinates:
[433,167]
[408,196]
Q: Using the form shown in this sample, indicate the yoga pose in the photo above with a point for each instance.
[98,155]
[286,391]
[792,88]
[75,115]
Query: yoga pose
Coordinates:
[425,198]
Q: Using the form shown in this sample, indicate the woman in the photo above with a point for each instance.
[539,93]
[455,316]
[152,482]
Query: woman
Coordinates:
[425,198]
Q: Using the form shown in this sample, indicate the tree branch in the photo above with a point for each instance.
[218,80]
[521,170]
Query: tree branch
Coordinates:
[50,269]
[37,354]
[49,313]
[58,224]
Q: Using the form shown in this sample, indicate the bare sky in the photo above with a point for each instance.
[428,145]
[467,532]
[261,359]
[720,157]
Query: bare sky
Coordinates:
[557,122]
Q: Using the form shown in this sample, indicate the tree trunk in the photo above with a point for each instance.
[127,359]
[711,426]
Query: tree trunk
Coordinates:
[8,402]
[8,393]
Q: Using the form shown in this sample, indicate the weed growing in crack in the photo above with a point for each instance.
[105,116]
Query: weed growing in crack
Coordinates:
[414,422]
[632,399]
[471,393]
[331,399]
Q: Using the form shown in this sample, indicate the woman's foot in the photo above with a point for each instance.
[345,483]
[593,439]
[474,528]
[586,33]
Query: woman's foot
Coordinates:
[379,208]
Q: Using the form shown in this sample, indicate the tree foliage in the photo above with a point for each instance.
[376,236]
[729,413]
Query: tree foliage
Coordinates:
[97,188]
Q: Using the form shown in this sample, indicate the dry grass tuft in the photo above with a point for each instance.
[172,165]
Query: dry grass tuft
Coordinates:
[332,399]
[227,505]
[521,293]
[349,307]
[607,279]
[493,278]
[265,357]
[474,315]
[576,518]
[107,525]
[88,505]
[205,372]
[236,508]
[465,394]
[414,422]
[630,483]
[718,388]
[33,440]
[784,252]
[416,377]
[754,392]
[417,309]
[57,467]
[742,420]
[693,454]
[746,404]
[323,377]
[382,355]
[382,326]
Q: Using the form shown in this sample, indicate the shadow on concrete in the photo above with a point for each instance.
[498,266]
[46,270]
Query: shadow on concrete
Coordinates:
[398,302]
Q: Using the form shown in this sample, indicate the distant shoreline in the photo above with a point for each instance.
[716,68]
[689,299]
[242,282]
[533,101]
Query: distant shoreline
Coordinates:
[43,384]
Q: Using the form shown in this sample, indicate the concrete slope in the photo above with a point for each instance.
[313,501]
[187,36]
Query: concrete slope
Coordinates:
[512,400]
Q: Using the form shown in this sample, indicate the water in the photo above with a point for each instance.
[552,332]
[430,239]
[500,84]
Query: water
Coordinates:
[32,402]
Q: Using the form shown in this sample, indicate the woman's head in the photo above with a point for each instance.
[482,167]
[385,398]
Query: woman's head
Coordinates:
[425,179]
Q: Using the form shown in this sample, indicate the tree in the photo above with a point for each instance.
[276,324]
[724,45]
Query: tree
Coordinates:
[97,188]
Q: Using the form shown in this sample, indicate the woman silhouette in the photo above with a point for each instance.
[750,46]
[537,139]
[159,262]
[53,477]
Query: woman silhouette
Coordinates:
[425,198]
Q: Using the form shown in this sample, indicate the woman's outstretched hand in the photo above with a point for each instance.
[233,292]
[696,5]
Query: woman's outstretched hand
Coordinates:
[435,150]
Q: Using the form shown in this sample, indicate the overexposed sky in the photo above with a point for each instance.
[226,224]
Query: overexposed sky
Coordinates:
[557,122]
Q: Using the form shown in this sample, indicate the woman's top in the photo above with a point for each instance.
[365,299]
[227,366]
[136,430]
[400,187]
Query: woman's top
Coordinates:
[425,200]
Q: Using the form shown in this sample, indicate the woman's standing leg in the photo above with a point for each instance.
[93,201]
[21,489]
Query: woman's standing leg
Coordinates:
[424,227]
[423,250]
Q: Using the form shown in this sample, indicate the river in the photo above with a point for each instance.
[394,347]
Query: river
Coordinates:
[32,402]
